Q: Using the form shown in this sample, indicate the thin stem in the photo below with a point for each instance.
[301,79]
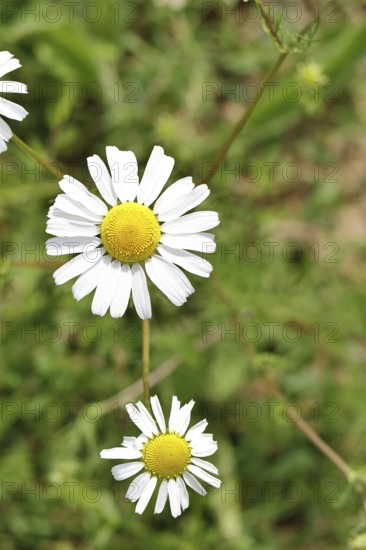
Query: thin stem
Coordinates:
[244,119]
[248,113]
[302,425]
[269,26]
[292,411]
[146,361]
[320,443]
[134,390]
[27,149]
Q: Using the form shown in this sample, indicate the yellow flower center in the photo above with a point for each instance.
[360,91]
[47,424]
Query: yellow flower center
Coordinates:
[130,232]
[166,455]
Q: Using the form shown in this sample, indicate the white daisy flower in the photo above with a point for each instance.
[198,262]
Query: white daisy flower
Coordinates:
[7,108]
[120,239]
[169,455]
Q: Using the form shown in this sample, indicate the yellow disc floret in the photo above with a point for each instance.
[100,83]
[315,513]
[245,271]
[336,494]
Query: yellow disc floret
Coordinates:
[166,455]
[130,232]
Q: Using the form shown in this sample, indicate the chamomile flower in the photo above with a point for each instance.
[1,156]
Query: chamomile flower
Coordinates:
[134,230]
[8,63]
[170,456]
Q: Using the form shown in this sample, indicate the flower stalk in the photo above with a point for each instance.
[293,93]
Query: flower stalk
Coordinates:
[146,361]
[242,122]
[30,151]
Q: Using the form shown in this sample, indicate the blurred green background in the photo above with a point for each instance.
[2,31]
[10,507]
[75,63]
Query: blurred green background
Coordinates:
[286,300]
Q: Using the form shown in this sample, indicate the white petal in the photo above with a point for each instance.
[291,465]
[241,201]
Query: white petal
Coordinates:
[5,56]
[203,444]
[102,179]
[123,471]
[196,430]
[143,439]
[197,471]
[146,495]
[87,282]
[162,497]
[201,242]
[147,418]
[77,191]
[122,291]
[174,498]
[77,266]
[189,262]
[106,286]
[57,214]
[12,87]
[71,245]
[137,419]
[194,484]
[5,131]
[74,207]
[12,110]
[8,63]
[169,279]
[203,447]
[123,167]
[192,223]
[183,493]
[184,418]
[205,465]
[140,292]
[120,452]
[132,442]
[135,416]
[137,486]
[157,172]
[66,228]
[3,146]
[158,412]
[172,195]
[174,414]
[185,203]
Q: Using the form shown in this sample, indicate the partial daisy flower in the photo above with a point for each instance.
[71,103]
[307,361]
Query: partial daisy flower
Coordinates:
[118,243]
[169,455]
[9,109]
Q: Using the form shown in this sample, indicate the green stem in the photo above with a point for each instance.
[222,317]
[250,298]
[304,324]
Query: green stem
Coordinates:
[323,447]
[146,361]
[291,410]
[244,119]
[248,113]
[27,149]
[303,426]
[268,24]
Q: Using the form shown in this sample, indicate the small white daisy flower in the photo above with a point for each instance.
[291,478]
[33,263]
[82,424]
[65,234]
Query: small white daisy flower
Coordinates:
[9,109]
[120,242]
[170,456]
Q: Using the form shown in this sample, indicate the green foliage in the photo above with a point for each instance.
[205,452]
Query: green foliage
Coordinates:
[285,302]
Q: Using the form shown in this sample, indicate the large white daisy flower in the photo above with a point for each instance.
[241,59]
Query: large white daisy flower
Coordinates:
[120,242]
[7,108]
[170,456]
